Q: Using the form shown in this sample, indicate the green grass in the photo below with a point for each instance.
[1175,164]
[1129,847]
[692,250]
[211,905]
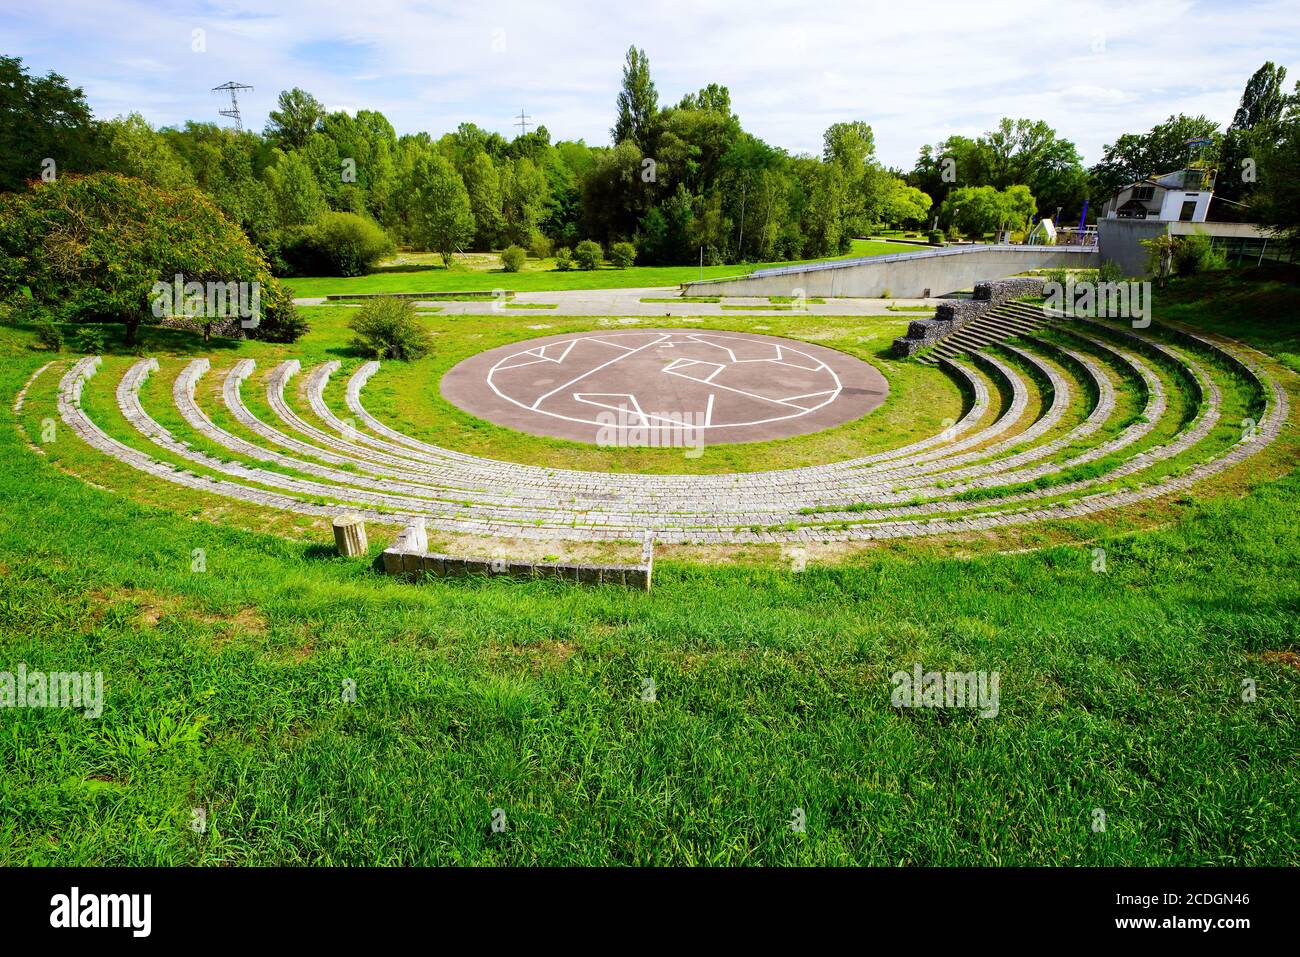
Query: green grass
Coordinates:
[532,305]
[223,687]
[540,275]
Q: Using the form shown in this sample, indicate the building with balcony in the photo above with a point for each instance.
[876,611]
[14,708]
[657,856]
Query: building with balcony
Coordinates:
[1182,196]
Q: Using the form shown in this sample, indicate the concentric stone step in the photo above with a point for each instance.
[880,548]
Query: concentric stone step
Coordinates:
[1007,461]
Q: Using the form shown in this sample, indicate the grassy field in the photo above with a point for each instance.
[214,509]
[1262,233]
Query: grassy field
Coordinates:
[224,685]
[424,272]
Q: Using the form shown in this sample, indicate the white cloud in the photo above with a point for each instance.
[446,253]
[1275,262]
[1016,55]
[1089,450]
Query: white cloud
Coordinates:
[916,72]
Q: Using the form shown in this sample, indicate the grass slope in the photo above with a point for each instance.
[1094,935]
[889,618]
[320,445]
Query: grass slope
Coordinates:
[1120,691]
[481,273]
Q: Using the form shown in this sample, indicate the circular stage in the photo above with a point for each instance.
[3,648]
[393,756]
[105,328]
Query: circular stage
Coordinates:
[665,387]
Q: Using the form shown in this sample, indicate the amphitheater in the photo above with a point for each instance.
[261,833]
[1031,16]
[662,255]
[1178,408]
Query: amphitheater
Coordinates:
[1062,418]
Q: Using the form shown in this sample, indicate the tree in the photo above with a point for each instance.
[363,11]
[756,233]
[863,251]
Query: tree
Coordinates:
[850,144]
[441,216]
[341,244]
[1016,152]
[611,193]
[977,210]
[294,189]
[1135,156]
[905,205]
[1262,105]
[133,148]
[1278,196]
[42,118]
[298,116]
[483,184]
[523,200]
[638,103]
[92,249]
[1263,100]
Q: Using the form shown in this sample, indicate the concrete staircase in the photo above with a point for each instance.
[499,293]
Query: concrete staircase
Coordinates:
[1007,321]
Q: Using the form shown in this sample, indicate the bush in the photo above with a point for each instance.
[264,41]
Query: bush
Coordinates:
[588,254]
[622,255]
[387,328]
[539,247]
[49,336]
[563,259]
[1194,254]
[935,236]
[280,322]
[90,340]
[1110,272]
[337,244]
[22,310]
[512,258]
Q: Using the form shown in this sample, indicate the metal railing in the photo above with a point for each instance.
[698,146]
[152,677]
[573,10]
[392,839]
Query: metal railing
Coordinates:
[898,257]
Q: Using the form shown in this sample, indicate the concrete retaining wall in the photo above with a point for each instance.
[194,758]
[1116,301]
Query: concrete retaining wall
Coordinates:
[911,275]
[409,557]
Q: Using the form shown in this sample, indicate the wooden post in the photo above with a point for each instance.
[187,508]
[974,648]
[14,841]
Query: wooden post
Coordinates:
[350,535]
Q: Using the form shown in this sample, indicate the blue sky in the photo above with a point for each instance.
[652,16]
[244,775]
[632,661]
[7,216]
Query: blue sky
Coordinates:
[915,71]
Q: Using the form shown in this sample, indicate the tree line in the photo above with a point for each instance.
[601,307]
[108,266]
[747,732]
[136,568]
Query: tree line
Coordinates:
[322,191]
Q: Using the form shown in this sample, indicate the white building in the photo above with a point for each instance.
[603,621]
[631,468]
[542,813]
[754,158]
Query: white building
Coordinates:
[1182,196]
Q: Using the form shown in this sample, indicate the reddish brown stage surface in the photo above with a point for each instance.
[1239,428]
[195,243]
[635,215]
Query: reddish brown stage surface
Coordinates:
[648,383]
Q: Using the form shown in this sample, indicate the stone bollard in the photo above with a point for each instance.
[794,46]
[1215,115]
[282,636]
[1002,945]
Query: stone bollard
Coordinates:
[350,535]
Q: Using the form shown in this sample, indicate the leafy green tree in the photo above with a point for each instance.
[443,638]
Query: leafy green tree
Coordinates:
[340,244]
[1277,201]
[294,189]
[298,116]
[957,161]
[638,104]
[977,210]
[1016,152]
[905,205]
[42,118]
[1253,128]
[134,148]
[321,154]
[1163,149]
[441,216]
[92,248]
[483,184]
[523,190]
[611,193]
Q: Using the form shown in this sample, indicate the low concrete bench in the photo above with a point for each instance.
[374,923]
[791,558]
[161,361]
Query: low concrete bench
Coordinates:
[409,557]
